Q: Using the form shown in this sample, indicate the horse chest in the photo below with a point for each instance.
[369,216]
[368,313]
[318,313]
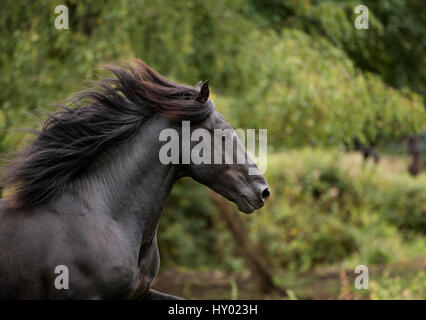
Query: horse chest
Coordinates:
[148,266]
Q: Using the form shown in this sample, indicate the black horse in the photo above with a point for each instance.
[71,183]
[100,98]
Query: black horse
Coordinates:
[89,191]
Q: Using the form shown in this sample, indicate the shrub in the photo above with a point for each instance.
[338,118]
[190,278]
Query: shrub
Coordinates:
[325,207]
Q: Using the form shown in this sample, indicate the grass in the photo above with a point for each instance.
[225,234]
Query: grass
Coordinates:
[389,281]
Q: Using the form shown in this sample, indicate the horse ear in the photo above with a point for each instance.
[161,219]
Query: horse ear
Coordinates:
[204,92]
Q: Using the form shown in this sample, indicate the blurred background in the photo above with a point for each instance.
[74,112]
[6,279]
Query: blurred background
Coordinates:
[346,120]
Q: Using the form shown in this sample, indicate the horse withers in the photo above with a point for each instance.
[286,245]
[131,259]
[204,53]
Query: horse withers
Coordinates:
[88,192]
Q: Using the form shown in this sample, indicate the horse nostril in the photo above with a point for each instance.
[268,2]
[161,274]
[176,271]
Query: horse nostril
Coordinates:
[265,194]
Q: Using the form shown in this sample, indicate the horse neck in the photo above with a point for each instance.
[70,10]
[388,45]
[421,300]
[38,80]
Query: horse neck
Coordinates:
[129,184]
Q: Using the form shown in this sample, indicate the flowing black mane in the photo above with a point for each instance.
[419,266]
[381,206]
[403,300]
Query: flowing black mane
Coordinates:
[94,120]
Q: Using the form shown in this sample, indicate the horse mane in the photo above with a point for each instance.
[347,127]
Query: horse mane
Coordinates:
[92,121]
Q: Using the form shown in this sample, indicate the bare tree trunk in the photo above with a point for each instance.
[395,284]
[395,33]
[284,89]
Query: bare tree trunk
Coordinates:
[414,148]
[246,248]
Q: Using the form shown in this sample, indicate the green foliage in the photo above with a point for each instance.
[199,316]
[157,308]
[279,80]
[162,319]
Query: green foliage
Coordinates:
[186,228]
[191,235]
[398,288]
[326,207]
[303,88]
[393,46]
[306,92]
